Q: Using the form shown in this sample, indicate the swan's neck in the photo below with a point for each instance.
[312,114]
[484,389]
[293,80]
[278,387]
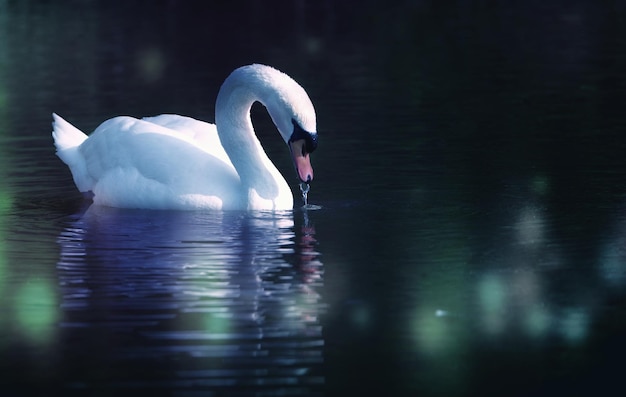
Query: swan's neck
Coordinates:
[259,176]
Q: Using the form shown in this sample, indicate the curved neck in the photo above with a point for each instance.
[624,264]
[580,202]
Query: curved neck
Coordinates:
[234,127]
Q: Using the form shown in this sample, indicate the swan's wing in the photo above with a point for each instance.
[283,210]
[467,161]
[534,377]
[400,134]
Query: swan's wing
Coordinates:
[203,134]
[118,133]
[137,163]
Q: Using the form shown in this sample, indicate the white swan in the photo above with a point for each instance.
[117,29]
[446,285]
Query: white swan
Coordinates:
[176,162]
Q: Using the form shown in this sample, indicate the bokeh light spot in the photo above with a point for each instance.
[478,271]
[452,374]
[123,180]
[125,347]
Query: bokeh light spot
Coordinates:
[36,310]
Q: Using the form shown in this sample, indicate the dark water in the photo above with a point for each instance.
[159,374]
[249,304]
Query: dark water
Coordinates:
[472,236]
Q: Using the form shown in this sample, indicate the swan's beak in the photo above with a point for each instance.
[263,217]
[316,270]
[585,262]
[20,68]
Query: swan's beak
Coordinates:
[301,160]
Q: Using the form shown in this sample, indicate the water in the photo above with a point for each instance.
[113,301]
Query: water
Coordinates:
[304,189]
[470,211]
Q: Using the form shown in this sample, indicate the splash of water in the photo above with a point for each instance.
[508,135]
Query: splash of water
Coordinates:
[304,188]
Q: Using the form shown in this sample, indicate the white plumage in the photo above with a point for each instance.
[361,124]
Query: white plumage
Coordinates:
[176,162]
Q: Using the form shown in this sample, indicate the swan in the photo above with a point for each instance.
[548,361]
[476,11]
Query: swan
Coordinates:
[176,162]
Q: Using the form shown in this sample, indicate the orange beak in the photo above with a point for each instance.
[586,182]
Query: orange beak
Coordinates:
[301,160]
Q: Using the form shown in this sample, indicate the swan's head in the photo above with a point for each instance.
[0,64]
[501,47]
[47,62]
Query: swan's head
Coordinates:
[293,114]
[287,103]
[301,144]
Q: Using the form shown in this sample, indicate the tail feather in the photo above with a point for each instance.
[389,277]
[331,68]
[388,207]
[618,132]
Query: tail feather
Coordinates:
[65,135]
[67,140]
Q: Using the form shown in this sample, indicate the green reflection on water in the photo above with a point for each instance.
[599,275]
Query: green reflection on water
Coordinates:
[491,302]
[439,320]
[6,201]
[36,313]
[217,323]
[440,281]
[3,256]
[5,197]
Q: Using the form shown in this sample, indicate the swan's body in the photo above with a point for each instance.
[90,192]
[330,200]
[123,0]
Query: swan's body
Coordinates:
[176,162]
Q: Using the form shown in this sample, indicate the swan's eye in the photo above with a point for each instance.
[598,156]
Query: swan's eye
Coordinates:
[310,138]
[311,142]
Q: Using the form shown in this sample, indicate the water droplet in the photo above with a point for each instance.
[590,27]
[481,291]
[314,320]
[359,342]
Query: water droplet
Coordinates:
[304,188]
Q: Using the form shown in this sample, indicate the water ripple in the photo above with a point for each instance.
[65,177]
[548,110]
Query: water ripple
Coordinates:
[204,300]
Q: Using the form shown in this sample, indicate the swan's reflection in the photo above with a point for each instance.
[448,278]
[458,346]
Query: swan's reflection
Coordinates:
[192,300]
